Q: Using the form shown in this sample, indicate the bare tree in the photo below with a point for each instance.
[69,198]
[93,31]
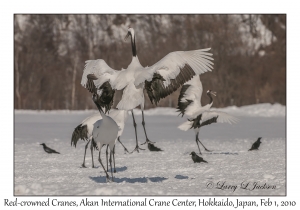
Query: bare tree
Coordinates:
[50,51]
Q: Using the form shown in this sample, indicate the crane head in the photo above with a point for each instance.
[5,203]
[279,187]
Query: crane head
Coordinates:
[130,32]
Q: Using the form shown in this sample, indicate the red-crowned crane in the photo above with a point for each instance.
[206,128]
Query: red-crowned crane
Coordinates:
[85,128]
[105,131]
[189,103]
[159,80]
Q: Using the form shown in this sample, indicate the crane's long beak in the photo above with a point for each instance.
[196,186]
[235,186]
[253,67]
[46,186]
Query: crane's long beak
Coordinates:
[126,37]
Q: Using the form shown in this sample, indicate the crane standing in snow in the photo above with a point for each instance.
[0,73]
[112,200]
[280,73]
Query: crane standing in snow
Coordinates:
[159,80]
[105,131]
[198,116]
[84,130]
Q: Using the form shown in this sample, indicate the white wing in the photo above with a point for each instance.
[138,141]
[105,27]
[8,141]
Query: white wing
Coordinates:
[222,117]
[178,63]
[194,92]
[97,72]
[176,68]
[190,96]
[185,126]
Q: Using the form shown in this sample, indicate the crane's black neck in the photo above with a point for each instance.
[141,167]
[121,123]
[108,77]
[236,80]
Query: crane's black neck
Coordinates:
[133,46]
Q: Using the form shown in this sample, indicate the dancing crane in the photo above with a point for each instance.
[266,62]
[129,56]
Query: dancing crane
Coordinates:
[159,80]
[198,116]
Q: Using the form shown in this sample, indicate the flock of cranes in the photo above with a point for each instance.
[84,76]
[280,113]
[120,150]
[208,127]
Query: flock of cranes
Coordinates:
[179,68]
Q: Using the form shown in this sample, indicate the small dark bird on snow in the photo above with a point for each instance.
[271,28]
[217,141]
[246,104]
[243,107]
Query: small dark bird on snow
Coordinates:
[152,148]
[255,145]
[197,159]
[48,150]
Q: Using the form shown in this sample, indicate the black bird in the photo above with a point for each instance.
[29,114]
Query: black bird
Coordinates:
[48,150]
[256,144]
[197,159]
[152,148]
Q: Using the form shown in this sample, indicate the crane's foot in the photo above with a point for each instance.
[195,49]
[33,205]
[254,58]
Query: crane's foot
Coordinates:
[148,141]
[208,150]
[136,149]
[93,166]
[115,171]
[83,165]
[126,150]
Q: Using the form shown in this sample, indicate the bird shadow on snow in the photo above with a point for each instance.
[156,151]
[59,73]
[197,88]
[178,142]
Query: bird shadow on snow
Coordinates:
[181,177]
[120,169]
[102,179]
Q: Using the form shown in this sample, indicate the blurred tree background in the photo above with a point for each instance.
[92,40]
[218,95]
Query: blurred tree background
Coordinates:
[249,54]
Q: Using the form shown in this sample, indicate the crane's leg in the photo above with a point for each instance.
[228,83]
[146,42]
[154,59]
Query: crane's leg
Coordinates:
[92,147]
[137,144]
[202,144]
[114,158]
[198,143]
[111,171]
[143,123]
[99,159]
[86,146]
[126,150]
[107,158]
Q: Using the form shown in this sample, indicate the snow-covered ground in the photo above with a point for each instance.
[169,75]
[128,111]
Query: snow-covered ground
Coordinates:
[171,172]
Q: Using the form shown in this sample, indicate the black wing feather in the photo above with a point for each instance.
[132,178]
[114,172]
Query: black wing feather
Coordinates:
[106,99]
[210,121]
[183,105]
[197,124]
[80,132]
[107,96]
[156,89]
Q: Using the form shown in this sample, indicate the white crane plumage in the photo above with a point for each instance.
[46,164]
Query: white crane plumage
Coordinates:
[85,128]
[189,103]
[159,80]
[105,131]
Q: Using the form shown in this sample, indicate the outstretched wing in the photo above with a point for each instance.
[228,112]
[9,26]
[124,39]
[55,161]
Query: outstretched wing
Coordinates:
[190,96]
[172,71]
[206,118]
[217,116]
[96,78]
[98,72]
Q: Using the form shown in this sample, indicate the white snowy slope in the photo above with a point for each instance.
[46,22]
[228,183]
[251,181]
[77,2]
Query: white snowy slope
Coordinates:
[171,172]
